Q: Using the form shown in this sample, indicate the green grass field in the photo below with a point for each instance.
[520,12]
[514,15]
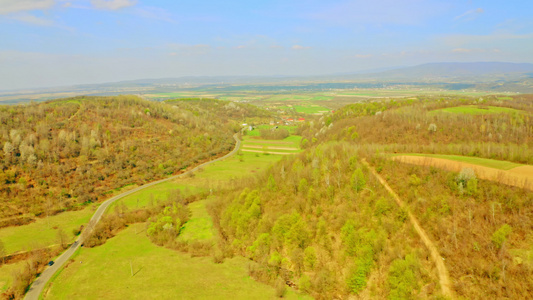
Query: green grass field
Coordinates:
[105,272]
[43,232]
[6,277]
[155,193]
[200,225]
[235,167]
[411,92]
[477,110]
[257,129]
[491,163]
[311,109]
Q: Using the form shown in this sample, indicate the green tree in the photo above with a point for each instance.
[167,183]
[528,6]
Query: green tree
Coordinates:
[403,277]
[500,236]
[310,258]
[358,180]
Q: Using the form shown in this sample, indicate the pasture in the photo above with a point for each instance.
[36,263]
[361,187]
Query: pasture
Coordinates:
[477,110]
[43,232]
[129,266]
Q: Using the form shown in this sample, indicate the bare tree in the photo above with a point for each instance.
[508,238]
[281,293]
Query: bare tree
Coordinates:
[62,238]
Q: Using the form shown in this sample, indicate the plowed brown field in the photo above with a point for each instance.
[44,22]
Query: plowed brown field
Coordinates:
[521,176]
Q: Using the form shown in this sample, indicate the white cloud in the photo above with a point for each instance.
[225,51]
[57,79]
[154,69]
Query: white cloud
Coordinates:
[363,55]
[112,4]
[13,6]
[463,50]
[155,13]
[462,40]
[31,19]
[300,47]
[470,15]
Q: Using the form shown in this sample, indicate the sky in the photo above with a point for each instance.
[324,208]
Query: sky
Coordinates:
[46,43]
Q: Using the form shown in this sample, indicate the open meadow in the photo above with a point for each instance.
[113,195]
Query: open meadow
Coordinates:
[130,266]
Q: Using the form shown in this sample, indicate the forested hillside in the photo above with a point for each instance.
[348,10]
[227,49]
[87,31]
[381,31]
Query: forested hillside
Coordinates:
[61,154]
[223,110]
[322,222]
[502,129]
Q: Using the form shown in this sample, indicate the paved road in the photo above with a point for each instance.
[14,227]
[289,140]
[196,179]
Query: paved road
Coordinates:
[37,286]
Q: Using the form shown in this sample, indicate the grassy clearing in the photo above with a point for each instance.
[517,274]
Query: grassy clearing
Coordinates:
[477,110]
[235,167]
[256,131]
[6,277]
[43,232]
[156,193]
[522,256]
[158,273]
[491,163]
[311,109]
[200,225]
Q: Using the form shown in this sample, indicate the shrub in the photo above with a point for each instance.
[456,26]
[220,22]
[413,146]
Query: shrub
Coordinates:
[500,236]
[358,180]
[304,284]
[403,279]
[281,288]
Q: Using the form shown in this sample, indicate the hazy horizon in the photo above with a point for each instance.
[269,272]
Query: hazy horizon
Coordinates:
[49,43]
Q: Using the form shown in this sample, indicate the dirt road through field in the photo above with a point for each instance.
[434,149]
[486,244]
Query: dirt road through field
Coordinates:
[521,176]
[444,277]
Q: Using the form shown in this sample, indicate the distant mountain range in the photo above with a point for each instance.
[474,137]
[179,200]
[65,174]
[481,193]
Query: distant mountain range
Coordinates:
[460,70]
[487,76]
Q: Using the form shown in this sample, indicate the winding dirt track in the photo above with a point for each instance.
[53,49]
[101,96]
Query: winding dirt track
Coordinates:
[521,176]
[38,285]
[444,277]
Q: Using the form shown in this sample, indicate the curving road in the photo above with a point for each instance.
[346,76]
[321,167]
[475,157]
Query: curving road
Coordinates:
[38,285]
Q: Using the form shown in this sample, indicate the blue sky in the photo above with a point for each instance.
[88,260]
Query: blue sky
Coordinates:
[62,42]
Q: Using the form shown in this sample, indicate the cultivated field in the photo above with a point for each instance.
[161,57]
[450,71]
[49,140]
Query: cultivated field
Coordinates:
[504,172]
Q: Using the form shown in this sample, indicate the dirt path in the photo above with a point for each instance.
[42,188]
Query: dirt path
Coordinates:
[76,113]
[444,277]
[520,176]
